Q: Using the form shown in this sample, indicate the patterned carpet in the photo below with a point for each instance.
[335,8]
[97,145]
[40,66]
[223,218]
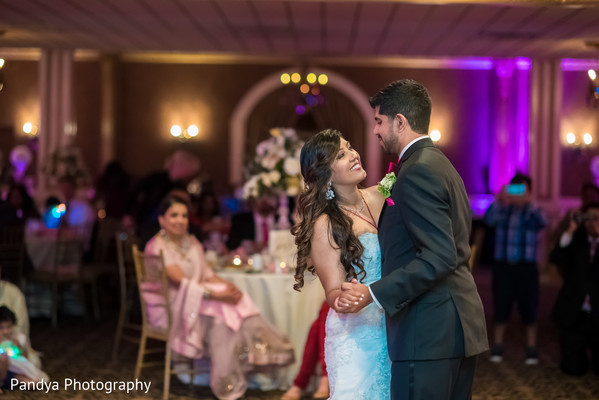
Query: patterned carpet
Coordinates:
[82,351]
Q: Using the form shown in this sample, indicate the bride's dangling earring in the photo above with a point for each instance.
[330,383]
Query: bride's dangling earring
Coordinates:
[330,195]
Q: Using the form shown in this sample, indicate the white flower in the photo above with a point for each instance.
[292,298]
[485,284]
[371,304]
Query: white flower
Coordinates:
[289,133]
[269,161]
[274,176]
[262,148]
[265,178]
[293,191]
[250,188]
[291,166]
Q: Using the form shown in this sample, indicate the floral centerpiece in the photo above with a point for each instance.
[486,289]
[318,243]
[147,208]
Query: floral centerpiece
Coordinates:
[67,163]
[276,167]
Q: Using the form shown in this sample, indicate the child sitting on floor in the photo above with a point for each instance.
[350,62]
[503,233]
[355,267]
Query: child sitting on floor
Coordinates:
[13,353]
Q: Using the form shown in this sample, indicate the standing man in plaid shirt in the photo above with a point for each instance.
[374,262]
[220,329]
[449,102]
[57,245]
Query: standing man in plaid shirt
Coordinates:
[517,222]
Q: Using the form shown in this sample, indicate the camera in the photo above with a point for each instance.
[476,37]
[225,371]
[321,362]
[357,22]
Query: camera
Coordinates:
[583,217]
[515,189]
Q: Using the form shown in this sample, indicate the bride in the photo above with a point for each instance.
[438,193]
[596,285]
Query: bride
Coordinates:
[337,239]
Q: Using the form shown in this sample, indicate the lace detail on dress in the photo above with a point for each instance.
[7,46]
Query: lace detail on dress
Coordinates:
[356,355]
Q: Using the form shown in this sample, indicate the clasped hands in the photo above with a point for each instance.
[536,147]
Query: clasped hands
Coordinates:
[354,297]
[231,294]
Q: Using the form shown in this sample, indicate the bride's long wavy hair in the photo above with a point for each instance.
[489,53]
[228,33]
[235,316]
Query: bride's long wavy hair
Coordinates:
[316,158]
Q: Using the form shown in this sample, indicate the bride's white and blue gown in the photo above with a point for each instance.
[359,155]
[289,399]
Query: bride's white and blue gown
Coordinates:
[356,355]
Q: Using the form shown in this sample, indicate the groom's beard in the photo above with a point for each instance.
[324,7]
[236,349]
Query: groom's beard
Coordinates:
[385,146]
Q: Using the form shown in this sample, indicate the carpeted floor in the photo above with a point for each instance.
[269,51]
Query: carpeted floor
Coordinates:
[82,351]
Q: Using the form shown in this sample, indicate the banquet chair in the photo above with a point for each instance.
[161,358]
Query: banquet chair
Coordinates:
[66,270]
[125,329]
[154,292]
[12,253]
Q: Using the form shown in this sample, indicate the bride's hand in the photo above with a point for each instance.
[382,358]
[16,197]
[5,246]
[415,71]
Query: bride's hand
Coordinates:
[354,297]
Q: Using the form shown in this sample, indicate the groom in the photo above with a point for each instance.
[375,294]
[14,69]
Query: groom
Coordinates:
[435,318]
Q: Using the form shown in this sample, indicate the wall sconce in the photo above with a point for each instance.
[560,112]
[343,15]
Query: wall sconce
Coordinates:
[29,129]
[583,140]
[178,132]
[594,86]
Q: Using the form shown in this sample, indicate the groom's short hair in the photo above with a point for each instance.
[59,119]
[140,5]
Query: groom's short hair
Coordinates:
[406,97]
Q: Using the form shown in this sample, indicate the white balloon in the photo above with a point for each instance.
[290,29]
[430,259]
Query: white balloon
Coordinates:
[20,157]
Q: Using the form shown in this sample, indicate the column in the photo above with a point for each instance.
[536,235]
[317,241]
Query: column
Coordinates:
[57,126]
[545,147]
[107,65]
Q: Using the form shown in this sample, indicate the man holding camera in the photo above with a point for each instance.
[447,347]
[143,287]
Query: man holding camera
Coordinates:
[517,222]
[577,307]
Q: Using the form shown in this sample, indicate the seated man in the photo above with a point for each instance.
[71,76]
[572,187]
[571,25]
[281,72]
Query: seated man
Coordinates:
[253,226]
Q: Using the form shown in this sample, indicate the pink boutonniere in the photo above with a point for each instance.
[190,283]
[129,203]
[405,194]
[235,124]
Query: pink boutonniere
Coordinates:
[390,201]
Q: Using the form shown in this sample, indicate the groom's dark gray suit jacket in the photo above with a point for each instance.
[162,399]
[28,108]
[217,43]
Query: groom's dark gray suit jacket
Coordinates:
[431,302]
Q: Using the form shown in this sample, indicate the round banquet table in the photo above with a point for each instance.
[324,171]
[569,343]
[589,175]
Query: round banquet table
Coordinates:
[290,311]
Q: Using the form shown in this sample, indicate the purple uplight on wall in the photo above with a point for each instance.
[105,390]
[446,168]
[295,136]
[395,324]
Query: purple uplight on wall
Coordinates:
[522,119]
[523,63]
[510,151]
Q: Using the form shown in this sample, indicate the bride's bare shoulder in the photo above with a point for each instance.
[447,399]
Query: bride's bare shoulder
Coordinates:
[373,194]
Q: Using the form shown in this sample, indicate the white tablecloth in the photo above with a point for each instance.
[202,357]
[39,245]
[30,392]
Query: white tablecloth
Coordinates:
[290,311]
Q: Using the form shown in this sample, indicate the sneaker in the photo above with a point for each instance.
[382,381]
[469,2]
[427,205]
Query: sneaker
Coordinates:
[532,356]
[496,353]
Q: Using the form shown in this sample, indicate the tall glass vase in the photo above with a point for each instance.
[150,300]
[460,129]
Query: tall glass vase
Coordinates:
[283,211]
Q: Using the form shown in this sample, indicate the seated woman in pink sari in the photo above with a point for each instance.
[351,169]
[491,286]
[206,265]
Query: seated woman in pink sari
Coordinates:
[211,316]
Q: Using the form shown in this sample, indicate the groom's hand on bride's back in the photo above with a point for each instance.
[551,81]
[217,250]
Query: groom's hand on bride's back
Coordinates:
[354,297]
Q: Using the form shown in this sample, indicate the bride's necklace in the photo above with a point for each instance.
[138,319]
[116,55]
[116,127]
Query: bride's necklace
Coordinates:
[358,212]
[354,211]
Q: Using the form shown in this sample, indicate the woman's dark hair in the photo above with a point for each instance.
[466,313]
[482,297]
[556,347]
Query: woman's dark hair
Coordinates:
[27,205]
[169,200]
[316,158]
[6,314]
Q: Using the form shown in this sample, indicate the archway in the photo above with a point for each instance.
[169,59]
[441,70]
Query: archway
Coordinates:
[238,125]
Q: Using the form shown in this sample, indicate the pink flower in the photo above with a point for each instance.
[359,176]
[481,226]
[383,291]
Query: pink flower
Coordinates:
[390,202]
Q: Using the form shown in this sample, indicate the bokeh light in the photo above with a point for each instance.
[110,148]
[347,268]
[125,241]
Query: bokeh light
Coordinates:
[176,130]
[295,77]
[285,78]
[570,138]
[587,138]
[193,130]
[435,135]
[323,79]
[305,88]
[27,127]
[311,78]
[300,110]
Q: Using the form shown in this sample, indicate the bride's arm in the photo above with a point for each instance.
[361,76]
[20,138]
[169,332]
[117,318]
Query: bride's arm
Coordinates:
[325,258]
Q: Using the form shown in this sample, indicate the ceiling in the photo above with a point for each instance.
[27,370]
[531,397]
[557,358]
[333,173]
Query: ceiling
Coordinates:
[538,29]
